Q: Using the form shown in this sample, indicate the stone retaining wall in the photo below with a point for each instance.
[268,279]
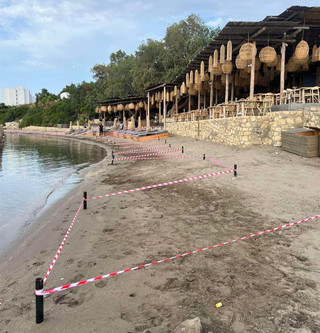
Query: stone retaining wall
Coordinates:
[246,131]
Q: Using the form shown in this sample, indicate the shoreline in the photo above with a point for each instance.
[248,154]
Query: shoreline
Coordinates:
[39,213]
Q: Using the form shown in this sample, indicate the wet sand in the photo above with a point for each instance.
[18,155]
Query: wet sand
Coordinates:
[266,284]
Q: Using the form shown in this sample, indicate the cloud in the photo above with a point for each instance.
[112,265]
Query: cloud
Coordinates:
[215,23]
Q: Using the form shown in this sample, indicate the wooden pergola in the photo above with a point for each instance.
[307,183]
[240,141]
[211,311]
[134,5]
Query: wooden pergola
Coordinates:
[282,33]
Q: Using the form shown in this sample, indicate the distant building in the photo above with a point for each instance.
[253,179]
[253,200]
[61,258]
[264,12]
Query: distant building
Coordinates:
[16,96]
[65,95]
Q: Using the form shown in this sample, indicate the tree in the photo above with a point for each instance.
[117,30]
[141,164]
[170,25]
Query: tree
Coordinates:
[115,79]
[183,41]
[44,97]
[148,65]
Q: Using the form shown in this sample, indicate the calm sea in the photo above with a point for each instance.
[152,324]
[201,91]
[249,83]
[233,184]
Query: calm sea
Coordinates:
[34,172]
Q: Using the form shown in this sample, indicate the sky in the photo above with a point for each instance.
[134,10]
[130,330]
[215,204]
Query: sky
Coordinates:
[53,43]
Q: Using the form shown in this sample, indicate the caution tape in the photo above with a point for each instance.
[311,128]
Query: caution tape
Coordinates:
[184,180]
[149,157]
[160,152]
[62,244]
[142,150]
[106,276]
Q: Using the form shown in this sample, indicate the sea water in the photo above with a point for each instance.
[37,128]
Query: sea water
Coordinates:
[34,172]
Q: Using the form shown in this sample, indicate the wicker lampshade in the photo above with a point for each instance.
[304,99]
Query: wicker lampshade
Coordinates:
[187,80]
[140,104]
[109,109]
[202,71]
[183,89]
[314,53]
[210,64]
[196,77]
[222,54]
[191,77]
[217,70]
[215,58]
[267,55]
[302,50]
[227,67]
[120,107]
[247,51]
[229,50]
[131,106]
[240,63]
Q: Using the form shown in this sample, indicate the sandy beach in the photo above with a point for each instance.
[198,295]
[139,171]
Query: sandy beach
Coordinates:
[266,284]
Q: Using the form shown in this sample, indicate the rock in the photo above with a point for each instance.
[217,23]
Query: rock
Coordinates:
[147,331]
[189,326]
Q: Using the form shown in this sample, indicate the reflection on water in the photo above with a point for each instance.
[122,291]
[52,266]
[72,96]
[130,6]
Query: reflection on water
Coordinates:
[33,167]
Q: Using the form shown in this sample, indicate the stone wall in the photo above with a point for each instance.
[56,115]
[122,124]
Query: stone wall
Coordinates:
[312,117]
[244,131]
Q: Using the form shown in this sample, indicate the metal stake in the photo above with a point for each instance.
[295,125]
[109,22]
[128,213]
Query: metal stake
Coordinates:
[235,173]
[39,302]
[84,200]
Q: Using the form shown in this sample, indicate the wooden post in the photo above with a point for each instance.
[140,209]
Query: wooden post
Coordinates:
[232,91]
[204,101]
[164,107]
[226,97]
[211,94]
[176,102]
[148,114]
[159,111]
[199,99]
[282,68]
[253,65]
[216,99]
[189,103]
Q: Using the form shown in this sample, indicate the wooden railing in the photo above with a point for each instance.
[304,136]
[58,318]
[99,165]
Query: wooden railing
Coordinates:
[259,105]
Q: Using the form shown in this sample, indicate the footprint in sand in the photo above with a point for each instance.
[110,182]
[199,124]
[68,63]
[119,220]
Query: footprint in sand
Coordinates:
[38,263]
[73,300]
[101,284]
[107,230]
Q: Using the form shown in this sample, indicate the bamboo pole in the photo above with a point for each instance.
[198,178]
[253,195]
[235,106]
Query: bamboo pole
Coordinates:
[148,114]
[176,103]
[282,67]
[253,65]
[159,111]
[232,91]
[226,97]
[211,94]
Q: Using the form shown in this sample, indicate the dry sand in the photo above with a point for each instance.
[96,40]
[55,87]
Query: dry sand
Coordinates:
[266,284]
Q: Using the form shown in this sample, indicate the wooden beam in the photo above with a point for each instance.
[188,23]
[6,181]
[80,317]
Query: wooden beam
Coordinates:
[211,93]
[253,65]
[226,97]
[148,114]
[283,64]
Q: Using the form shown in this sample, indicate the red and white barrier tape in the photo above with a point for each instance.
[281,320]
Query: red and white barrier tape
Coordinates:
[98,278]
[145,157]
[142,150]
[61,245]
[184,180]
[157,153]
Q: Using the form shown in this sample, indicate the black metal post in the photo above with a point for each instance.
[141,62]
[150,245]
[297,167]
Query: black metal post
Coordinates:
[165,140]
[39,302]
[169,145]
[182,150]
[235,173]
[84,200]
[112,154]
[204,156]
